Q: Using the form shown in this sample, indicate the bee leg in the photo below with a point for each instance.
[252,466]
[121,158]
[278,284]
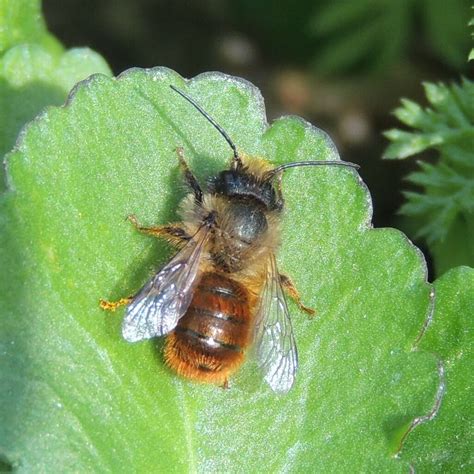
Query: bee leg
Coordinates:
[173,233]
[113,305]
[293,293]
[190,179]
[225,385]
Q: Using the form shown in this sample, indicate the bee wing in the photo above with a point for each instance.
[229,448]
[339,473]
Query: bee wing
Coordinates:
[159,305]
[276,345]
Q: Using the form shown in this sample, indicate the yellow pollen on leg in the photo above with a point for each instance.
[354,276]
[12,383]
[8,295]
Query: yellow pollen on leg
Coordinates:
[113,305]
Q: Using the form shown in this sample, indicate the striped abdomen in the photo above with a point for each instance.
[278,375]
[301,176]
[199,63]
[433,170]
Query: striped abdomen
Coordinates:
[209,341]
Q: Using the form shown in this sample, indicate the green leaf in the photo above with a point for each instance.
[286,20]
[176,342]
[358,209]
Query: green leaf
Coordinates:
[447,197]
[445,444]
[31,78]
[81,398]
[21,21]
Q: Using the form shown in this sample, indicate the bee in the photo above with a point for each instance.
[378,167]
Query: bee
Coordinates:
[222,291]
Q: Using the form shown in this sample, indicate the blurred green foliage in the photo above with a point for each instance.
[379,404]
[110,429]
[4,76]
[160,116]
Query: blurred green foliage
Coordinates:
[444,209]
[362,35]
[471,53]
[379,32]
[21,22]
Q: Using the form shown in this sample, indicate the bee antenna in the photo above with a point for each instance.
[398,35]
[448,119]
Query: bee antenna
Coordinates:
[237,162]
[272,173]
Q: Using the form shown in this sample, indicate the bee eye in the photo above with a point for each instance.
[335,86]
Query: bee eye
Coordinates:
[248,221]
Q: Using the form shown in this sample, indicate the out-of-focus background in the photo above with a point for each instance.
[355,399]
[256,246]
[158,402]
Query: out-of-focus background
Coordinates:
[341,65]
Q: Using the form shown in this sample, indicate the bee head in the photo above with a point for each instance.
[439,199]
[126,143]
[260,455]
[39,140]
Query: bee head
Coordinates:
[242,181]
[239,183]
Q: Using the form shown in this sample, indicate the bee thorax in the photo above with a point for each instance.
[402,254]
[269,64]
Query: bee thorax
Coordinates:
[247,221]
[243,224]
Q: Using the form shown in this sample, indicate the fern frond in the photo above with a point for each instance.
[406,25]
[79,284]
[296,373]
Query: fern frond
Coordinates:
[447,126]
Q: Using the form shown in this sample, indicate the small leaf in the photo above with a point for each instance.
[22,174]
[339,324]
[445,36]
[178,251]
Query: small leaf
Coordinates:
[445,443]
[408,144]
[410,114]
[81,398]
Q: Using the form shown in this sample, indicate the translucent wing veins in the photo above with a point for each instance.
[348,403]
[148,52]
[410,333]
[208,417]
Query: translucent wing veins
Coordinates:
[159,305]
[276,346]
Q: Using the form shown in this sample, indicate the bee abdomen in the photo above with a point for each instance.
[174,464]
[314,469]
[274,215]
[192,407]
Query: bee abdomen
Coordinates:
[209,341]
